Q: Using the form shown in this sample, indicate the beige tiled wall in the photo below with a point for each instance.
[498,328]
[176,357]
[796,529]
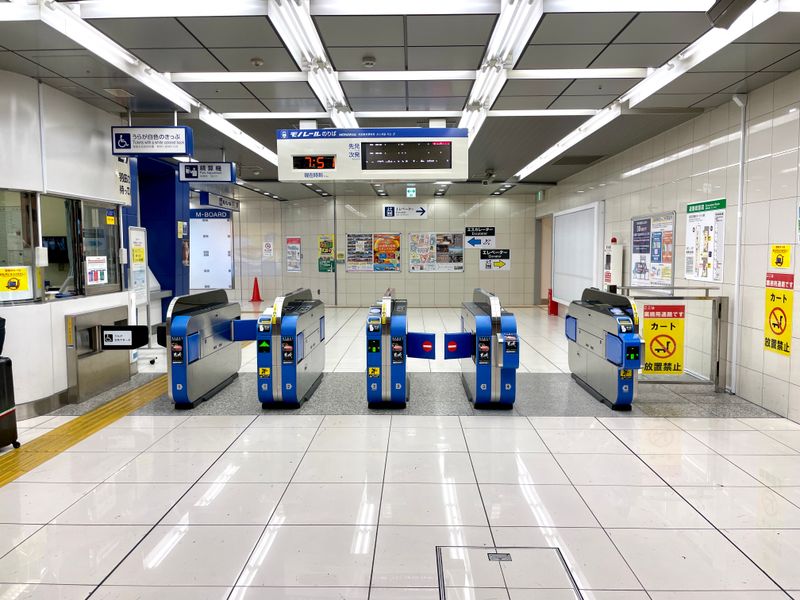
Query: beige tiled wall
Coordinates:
[512,216]
[698,160]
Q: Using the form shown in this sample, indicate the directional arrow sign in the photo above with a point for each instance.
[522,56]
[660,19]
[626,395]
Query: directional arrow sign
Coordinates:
[474,242]
[495,259]
[480,237]
[405,211]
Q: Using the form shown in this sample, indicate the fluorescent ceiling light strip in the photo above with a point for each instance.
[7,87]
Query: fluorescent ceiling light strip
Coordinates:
[790,5]
[406,75]
[275,115]
[594,6]
[547,112]
[225,127]
[237,77]
[115,9]
[578,74]
[709,44]
[72,26]
[17,11]
[407,7]
[600,120]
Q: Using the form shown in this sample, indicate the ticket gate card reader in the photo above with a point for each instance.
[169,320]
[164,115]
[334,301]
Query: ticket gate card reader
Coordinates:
[605,347]
[389,344]
[488,349]
[290,350]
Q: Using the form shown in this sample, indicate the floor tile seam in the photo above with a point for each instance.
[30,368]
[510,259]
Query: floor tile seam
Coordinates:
[480,491]
[274,510]
[348,351]
[341,326]
[703,516]
[547,360]
[769,433]
[793,452]
[157,523]
[338,362]
[380,508]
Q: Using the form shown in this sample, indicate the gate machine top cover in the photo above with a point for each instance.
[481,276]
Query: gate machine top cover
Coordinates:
[290,349]
[389,344]
[604,346]
[489,351]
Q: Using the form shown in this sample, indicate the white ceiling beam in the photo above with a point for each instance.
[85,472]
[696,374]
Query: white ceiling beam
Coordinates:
[406,7]
[118,9]
[577,73]
[595,6]
[19,11]
[408,114]
[221,124]
[413,114]
[406,75]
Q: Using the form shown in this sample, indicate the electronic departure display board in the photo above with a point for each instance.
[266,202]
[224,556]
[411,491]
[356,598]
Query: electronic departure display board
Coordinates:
[314,162]
[385,156]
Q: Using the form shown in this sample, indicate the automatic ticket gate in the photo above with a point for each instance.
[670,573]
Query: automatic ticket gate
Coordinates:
[389,344]
[290,350]
[604,346]
[488,347]
[203,354]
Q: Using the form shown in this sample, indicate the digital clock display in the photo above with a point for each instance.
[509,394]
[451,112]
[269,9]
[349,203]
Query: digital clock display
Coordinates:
[314,162]
[392,156]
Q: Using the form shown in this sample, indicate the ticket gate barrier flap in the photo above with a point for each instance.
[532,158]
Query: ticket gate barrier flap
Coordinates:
[243,330]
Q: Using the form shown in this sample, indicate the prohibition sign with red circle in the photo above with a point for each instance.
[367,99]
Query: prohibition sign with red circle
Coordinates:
[777,320]
[663,346]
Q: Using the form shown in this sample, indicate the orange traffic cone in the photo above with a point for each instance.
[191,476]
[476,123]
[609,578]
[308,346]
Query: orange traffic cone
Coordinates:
[256,292]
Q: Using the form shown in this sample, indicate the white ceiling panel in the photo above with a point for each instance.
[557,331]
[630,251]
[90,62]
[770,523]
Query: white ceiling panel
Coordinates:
[374,103]
[455,103]
[747,57]
[580,28]
[590,102]
[357,31]
[293,104]
[239,59]
[449,30]
[33,35]
[637,55]
[591,87]
[179,59]
[559,56]
[671,100]
[535,87]
[281,89]
[523,102]
[387,58]
[665,28]
[72,63]
[366,89]
[147,33]
[216,90]
[18,64]
[233,32]
[234,104]
[698,83]
[439,88]
[423,58]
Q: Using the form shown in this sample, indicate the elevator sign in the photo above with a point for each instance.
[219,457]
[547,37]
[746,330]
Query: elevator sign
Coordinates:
[495,260]
[778,313]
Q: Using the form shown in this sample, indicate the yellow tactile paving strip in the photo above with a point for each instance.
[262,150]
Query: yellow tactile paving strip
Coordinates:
[16,463]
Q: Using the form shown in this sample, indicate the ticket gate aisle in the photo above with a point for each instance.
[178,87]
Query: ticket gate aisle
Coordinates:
[488,347]
[203,354]
[389,344]
[290,350]
[604,346]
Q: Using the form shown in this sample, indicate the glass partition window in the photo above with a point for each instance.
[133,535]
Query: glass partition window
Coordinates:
[100,230]
[59,237]
[17,226]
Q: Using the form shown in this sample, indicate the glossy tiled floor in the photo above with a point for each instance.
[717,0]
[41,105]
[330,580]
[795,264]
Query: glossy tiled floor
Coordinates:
[320,507]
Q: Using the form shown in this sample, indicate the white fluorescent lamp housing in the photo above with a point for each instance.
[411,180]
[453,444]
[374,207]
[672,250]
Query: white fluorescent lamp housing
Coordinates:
[72,26]
[406,75]
[116,9]
[600,120]
[709,44]
[225,127]
[18,11]
[577,74]
[594,6]
[514,27]
[408,114]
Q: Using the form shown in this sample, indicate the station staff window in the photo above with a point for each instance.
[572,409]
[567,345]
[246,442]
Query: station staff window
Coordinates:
[59,235]
[100,233]
[17,234]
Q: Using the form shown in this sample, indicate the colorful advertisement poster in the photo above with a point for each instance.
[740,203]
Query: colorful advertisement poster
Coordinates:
[294,256]
[358,257]
[663,339]
[778,310]
[435,252]
[421,252]
[652,249]
[450,252]
[705,240]
[386,252]
[96,270]
[326,262]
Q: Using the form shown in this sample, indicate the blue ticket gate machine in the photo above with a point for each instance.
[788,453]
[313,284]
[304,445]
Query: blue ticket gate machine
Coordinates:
[202,336]
[488,349]
[389,344]
[605,347]
[290,350]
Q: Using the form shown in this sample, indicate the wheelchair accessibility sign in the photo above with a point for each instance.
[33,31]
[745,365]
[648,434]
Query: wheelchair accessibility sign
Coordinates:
[152,141]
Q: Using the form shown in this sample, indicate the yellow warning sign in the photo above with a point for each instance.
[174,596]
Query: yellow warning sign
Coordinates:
[14,279]
[663,327]
[780,256]
[111,220]
[778,313]
[137,255]
[374,372]
[264,372]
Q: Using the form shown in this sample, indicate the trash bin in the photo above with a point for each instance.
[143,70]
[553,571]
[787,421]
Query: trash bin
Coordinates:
[8,410]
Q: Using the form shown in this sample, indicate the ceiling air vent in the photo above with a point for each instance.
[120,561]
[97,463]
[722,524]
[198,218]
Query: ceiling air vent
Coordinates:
[568,161]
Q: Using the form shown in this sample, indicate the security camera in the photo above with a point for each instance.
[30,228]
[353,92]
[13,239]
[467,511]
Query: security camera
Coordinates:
[488,177]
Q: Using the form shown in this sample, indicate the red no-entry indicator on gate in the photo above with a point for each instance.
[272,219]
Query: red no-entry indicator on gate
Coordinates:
[452,346]
[427,346]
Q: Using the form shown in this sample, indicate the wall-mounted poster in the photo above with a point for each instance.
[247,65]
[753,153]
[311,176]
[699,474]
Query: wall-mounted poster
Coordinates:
[325,259]
[386,251]
[294,256]
[358,255]
[431,252]
[705,240]
[652,242]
